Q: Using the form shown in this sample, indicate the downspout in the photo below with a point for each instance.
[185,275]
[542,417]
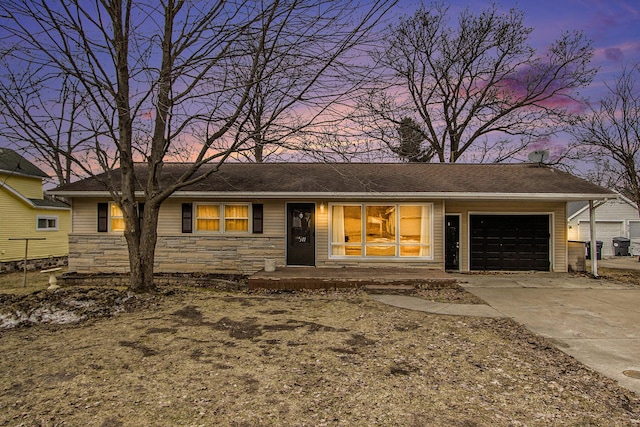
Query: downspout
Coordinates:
[593,243]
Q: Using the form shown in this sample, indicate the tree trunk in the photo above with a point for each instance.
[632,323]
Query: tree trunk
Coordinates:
[142,247]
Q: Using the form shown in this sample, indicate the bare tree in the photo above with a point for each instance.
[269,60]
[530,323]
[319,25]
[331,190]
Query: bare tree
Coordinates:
[47,123]
[301,78]
[179,68]
[609,136]
[473,83]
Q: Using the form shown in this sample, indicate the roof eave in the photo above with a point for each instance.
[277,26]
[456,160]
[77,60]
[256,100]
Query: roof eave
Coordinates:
[358,195]
[17,194]
[27,175]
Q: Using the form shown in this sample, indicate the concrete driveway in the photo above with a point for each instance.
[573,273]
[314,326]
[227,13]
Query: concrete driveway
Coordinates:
[595,321]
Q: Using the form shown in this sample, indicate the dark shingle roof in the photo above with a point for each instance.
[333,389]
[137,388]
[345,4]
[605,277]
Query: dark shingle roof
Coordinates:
[319,178]
[48,203]
[12,162]
[574,207]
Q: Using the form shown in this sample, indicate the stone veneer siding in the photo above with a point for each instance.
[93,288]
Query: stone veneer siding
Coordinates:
[107,253]
[33,264]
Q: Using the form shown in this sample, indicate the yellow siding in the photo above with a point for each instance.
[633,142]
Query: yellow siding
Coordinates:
[29,187]
[19,220]
[556,209]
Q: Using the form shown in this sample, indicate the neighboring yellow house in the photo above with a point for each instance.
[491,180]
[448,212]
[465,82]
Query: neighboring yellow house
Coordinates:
[26,214]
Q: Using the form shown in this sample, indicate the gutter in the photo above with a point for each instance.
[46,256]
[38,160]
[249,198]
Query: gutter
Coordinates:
[358,195]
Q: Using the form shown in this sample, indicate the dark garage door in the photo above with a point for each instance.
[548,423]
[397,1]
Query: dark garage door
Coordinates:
[510,242]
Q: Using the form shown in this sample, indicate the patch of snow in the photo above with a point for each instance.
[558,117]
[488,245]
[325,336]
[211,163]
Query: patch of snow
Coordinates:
[80,304]
[8,321]
[53,315]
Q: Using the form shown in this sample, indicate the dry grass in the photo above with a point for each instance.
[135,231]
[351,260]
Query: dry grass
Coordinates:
[198,357]
[13,283]
[630,277]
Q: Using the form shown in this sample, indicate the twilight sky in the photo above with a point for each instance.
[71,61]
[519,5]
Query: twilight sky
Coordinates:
[613,25]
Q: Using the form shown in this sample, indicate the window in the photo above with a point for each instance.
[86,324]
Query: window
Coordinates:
[47,223]
[111,218]
[236,218]
[222,217]
[207,218]
[117,218]
[381,230]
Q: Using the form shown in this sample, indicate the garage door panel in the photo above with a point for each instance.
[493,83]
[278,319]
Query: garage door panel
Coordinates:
[510,242]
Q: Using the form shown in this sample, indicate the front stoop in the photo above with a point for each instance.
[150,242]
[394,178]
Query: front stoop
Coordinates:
[374,280]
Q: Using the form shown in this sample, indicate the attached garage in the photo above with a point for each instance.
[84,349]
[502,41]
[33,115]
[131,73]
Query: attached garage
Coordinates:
[510,242]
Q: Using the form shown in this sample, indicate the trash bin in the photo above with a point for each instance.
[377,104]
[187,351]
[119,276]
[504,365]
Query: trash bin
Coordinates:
[598,249]
[621,246]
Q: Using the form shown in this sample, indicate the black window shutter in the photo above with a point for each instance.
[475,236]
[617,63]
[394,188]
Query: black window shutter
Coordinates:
[258,218]
[187,217]
[103,216]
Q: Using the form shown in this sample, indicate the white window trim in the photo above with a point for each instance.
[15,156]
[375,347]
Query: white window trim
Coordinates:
[221,210]
[48,217]
[363,244]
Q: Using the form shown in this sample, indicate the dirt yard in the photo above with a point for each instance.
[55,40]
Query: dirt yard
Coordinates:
[199,357]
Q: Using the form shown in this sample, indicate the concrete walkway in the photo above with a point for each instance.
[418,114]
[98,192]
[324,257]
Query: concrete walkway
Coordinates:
[595,321]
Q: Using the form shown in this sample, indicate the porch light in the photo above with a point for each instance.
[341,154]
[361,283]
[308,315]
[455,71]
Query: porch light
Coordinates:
[321,207]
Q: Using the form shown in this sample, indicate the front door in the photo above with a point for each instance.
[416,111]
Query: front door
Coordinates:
[452,242]
[301,248]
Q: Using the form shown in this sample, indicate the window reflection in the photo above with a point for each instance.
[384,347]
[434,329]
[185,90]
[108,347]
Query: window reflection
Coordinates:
[390,230]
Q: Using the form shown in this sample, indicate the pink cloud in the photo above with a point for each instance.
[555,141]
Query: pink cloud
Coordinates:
[618,53]
[614,54]
[515,87]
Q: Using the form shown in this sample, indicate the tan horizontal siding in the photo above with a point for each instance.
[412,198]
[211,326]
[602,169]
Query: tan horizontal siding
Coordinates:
[274,218]
[85,215]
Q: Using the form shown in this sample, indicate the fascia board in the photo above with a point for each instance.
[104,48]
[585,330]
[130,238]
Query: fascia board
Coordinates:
[27,175]
[404,195]
[52,208]
[17,194]
[359,195]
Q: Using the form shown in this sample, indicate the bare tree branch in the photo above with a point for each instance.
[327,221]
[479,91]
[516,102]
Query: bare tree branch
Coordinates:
[155,76]
[609,136]
[476,80]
